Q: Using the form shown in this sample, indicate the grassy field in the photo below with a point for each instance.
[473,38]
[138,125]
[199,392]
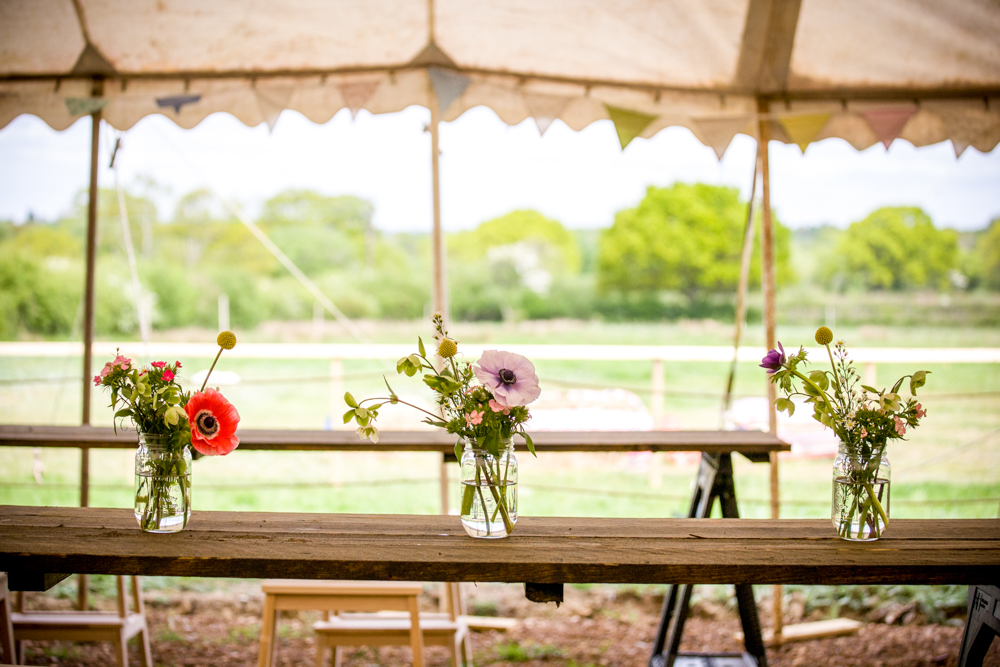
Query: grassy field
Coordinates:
[949,468]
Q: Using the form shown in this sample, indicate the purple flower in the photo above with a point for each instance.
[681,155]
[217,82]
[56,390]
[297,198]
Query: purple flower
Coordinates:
[774,360]
[510,377]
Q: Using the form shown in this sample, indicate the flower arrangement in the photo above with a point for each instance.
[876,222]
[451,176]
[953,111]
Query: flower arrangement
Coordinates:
[862,417]
[485,415]
[162,412]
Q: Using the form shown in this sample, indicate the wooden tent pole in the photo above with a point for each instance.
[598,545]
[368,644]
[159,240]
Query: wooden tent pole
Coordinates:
[439,296]
[88,318]
[768,286]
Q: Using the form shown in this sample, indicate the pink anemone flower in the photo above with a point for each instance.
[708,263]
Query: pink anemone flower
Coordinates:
[213,423]
[510,377]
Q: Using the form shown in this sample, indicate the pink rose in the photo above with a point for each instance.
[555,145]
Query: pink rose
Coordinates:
[168,375]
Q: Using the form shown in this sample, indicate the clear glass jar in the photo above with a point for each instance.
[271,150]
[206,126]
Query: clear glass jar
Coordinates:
[489,491]
[162,485]
[860,494]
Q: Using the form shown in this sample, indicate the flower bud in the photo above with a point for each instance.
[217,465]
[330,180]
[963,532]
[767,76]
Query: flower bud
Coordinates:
[447,348]
[226,340]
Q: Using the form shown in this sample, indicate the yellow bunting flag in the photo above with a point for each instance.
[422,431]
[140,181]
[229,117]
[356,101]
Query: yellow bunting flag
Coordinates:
[628,124]
[803,129]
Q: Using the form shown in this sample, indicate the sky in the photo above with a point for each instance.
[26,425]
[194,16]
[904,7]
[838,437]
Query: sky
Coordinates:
[487,169]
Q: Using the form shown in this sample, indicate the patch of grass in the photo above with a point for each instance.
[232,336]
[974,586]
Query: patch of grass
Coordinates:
[513,651]
[485,608]
[168,635]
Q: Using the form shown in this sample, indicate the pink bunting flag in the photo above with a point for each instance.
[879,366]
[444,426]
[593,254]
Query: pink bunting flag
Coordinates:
[887,124]
[544,108]
[357,93]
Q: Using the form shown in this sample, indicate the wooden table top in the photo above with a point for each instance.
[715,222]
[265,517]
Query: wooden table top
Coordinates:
[744,442]
[36,540]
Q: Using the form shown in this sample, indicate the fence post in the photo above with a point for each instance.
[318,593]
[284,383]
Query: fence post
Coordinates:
[871,374]
[337,407]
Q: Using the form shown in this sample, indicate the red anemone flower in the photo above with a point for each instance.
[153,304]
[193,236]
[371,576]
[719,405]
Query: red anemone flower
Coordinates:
[213,423]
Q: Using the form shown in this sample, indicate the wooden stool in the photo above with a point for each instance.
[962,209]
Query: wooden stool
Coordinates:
[6,628]
[337,596]
[82,626]
[448,629]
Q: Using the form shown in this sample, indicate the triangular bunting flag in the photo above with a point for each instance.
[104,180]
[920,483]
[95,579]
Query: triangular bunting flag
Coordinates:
[448,86]
[718,133]
[84,106]
[433,55]
[272,100]
[959,147]
[628,124]
[544,108]
[887,123]
[357,93]
[175,102]
[803,129]
[92,61]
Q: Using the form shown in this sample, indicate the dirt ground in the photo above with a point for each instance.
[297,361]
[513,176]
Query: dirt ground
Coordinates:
[600,626]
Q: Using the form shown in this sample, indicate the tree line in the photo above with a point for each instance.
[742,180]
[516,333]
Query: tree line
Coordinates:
[676,253]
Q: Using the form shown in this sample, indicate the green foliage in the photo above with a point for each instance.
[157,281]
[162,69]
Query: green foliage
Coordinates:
[556,247]
[686,238]
[894,249]
[36,295]
[987,254]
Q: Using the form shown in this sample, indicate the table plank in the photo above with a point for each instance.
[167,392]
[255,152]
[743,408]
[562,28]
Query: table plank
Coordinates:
[543,549]
[745,442]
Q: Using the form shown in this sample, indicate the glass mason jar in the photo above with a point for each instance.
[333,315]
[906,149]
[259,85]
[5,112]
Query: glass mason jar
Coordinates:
[162,485]
[489,491]
[860,495]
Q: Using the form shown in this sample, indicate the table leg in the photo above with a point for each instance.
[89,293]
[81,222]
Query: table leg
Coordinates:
[416,635]
[267,634]
[715,480]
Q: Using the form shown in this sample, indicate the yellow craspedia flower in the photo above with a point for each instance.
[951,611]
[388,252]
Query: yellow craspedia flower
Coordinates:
[447,348]
[226,340]
[824,336]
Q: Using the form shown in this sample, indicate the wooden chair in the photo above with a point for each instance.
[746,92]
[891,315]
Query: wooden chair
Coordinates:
[6,627]
[117,627]
[448,629]
[337,596]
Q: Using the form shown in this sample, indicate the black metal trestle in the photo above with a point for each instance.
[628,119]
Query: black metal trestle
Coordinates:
[715,480]
[981,625]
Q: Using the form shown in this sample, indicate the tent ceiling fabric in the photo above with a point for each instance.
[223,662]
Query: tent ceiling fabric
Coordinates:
[862,70]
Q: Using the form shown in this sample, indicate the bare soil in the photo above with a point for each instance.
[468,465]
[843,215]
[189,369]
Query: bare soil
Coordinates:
[600,626]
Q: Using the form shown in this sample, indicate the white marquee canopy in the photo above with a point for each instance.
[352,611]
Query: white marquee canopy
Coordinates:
[863,70]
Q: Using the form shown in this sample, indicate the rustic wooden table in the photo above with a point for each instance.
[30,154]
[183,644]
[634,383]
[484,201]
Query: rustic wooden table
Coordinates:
[35,541]
[756,445]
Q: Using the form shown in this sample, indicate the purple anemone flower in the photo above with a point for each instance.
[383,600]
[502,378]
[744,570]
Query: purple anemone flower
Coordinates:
[509,376]
[774,360]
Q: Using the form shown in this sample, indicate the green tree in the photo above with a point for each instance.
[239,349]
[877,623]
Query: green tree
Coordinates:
[987,255]
[556,246]
[686,238]
[894,249]
[319,232]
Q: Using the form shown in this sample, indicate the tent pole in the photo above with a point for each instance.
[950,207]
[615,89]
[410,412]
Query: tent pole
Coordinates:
[438,285]
[742,287]
[88,318]
[768,285]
